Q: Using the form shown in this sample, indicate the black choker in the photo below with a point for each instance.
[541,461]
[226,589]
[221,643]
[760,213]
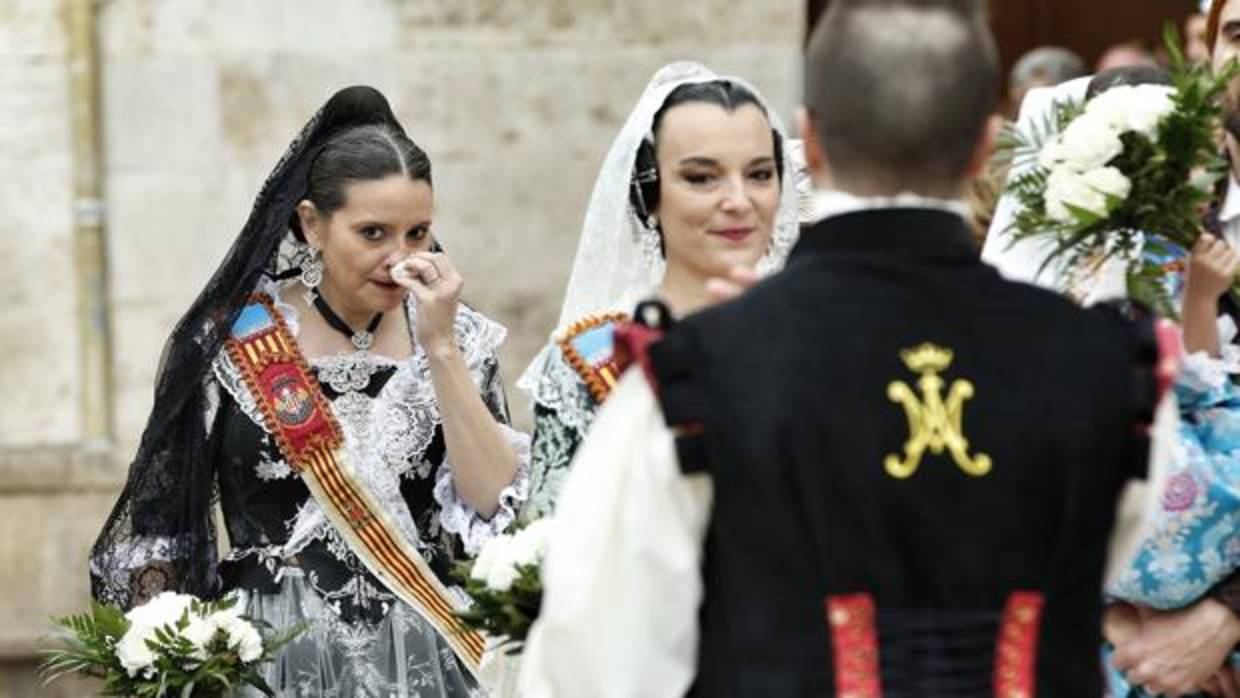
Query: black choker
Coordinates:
[362,339]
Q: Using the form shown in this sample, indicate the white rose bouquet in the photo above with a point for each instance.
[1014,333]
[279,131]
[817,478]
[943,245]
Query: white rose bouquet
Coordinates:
[505,585]
[174,645]
[1128,175]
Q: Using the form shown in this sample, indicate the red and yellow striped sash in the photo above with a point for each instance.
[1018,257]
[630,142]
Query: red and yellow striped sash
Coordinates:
[310,439]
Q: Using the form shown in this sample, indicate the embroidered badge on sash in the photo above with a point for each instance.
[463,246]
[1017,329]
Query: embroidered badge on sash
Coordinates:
[934,423]
[589,347]
[292,404]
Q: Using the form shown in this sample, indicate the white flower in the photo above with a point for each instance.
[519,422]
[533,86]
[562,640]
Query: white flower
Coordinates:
[164,609]
[487,556]
[1109,181]
[533,539]
[1065,187]
[503,570]
[242,636]
[1051,155]
[132,651]
[1152,104]
[1088,143]
[1111,108]
[200,632]
[1097,191]
[1138,108]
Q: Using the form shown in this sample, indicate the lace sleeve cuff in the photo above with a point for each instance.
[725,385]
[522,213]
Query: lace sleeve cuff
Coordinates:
[130,572]
[1204,379]
[459,518]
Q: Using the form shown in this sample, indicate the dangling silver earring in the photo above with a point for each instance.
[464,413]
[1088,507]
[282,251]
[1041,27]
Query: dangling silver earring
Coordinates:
[652,222]
[312,269]
[652,248]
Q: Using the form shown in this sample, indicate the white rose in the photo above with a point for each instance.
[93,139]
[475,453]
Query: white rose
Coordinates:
[1089,143]
[164,609]
[132,651]
[1111,108]
[524,551]
[243,637]
[1065,187]
[502,572]
[1051,155]
[200,632]
[1152,105]
[491,550]
[1139,108]
[535,537]
[1109,181]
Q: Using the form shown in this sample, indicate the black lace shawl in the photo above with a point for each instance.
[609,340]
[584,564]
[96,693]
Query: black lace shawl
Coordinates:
[160,535]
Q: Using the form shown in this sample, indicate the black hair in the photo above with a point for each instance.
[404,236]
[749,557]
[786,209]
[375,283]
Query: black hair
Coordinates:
[644,186]
[359,154]
[1127,75]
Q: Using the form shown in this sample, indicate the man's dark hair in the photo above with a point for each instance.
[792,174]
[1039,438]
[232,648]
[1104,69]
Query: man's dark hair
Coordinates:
[1127,75]
[899,91]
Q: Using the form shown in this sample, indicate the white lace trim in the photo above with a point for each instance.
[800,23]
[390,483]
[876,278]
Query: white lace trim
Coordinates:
[1203,373]
[553,384]
[229,376]
[116,566]
[386,436]
[458,517]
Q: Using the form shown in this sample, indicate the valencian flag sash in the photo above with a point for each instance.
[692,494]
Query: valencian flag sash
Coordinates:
[310,439]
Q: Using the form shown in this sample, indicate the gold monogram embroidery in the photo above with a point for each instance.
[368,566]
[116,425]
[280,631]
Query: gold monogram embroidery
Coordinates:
[933,423]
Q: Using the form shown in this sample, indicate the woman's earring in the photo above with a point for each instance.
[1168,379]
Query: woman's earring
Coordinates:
[312,269]
[652,221]
[651,244]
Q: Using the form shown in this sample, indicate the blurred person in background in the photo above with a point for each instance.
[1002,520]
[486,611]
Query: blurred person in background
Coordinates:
[1041,67]
[1125,54]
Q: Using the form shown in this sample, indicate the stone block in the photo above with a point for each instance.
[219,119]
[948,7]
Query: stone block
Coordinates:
[38,352]
[32,28]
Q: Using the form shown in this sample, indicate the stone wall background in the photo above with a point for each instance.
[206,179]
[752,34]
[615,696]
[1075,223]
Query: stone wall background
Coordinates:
[515,101]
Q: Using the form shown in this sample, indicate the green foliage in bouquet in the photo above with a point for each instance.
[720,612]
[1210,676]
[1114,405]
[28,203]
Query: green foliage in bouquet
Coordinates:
[1171,177]
[179,667]
[506,585]
[506,614]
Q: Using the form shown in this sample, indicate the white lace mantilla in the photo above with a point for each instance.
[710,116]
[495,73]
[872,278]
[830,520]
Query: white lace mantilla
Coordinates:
[554,384]
[386,437]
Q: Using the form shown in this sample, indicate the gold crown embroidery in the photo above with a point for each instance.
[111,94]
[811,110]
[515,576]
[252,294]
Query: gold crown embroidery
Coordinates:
[934,424]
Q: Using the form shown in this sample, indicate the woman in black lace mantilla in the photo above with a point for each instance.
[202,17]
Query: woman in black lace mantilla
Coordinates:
[411,378]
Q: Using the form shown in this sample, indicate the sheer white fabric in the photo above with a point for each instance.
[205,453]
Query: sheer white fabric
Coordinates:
[623,569]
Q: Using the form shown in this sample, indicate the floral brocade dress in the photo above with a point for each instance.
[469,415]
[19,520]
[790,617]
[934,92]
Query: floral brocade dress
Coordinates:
[1191,541]
[570,379]
[288,563]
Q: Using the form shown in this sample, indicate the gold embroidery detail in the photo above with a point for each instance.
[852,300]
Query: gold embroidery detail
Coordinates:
[599,380]
[933,423]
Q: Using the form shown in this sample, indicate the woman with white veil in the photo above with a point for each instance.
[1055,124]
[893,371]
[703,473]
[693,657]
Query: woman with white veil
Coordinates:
[700,179]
